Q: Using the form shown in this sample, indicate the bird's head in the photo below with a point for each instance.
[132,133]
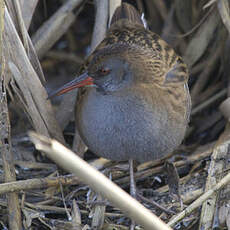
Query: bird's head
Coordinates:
[110,69]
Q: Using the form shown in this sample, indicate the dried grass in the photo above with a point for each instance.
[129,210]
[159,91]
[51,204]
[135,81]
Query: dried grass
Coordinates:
[59,36]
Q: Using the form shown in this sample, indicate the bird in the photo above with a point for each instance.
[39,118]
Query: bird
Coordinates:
[134,103]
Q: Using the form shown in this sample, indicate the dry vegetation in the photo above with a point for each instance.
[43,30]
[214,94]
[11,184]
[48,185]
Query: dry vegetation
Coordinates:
[42,45]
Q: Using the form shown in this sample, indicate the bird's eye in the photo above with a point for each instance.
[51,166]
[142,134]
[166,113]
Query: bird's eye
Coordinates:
[104,71]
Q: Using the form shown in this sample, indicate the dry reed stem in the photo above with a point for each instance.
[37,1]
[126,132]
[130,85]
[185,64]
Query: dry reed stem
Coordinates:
[28,8]
[71,162]
[13,49]
[14,10]
[113,4]
[197,203]
[215,173]
[38,183]
[14,211]
[212,191]
[101,20]
[22,26]
[24,185]
[223,7]
[55,27]
[45,38]
[146,172]
[201,39]
[208,102]
[210,65]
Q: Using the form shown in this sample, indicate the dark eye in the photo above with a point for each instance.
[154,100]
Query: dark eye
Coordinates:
[104,71]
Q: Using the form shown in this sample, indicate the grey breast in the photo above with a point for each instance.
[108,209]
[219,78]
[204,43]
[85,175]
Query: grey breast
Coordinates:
[124,126]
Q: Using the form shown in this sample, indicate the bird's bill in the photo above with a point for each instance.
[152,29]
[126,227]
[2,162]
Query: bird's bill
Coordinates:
[78,82]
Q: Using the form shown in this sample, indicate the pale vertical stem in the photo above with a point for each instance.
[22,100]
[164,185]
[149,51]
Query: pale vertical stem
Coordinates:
[113,4]
[14,212]
[22,26]
[101,20]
